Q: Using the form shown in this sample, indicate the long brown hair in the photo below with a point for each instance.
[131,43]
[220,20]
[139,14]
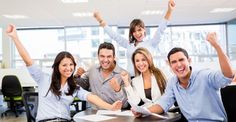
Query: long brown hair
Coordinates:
[56,76]
[133,24]
[160,77]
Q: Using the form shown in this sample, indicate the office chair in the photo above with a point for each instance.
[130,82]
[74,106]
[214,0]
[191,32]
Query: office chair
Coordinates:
[228,95]
[75,103]
[12,93]
[177,109]
[30,100]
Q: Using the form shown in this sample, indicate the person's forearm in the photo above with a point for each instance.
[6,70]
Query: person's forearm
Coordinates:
[168,14]
[23,52]
[94,99]
[156,109]
[225,65]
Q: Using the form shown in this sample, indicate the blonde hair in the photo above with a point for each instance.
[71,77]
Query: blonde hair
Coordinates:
[160,77]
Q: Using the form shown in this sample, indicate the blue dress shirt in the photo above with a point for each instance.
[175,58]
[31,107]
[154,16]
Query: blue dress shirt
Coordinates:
[201,100]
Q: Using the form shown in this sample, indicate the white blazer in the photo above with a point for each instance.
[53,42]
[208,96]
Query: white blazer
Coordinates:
[136,92]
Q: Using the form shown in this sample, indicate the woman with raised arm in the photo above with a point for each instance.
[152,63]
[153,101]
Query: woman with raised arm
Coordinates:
[56,91]
[137,34]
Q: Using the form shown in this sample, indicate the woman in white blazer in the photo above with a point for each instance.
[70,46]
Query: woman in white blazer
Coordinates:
[149,82]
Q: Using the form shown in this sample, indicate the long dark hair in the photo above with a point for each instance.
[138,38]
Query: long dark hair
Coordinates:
[56,76]
[133,24]
[160,77]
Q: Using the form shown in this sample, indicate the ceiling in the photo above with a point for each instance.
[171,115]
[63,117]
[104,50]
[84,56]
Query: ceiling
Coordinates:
[54,13]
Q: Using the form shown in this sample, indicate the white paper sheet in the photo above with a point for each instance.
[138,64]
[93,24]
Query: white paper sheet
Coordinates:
[145,111]
[119,112]
[107,112]
[93,117]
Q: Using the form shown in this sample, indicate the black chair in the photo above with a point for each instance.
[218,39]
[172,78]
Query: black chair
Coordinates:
[12,93]
[177,109]
[228,95]
[75,103]
[30,100]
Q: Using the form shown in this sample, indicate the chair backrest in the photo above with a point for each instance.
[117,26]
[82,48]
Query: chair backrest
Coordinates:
[30,100]
[11,86]
[228,95]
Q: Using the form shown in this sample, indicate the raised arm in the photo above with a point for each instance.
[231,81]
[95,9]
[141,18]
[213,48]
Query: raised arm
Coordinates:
[225,65]
[108,30]
[132,95]
[11,32]
[99,18]
[163,25]
[102,104]
[171,6]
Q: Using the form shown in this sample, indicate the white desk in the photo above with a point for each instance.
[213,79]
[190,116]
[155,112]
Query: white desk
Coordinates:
[23,75]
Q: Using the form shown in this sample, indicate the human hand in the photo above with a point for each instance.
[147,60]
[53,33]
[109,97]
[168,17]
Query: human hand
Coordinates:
[136,114]
[125,77]
[116,105]
[212,38]
[11,31]
[98,17]
[171,5]
[114,84]
[80,71]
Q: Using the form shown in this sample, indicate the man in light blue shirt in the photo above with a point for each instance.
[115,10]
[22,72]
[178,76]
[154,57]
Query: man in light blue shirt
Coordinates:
[197,92]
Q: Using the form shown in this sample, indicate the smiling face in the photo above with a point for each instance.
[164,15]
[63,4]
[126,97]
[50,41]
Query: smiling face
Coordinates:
[139,33]
[180,65]
[66,68]
[106,58]
[141,63]
[136,31]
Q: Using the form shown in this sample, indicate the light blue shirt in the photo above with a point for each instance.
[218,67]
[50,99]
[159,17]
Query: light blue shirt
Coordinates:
[201,100]
[151,44]
[50,106]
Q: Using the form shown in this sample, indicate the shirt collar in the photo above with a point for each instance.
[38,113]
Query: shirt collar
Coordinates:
[192,75]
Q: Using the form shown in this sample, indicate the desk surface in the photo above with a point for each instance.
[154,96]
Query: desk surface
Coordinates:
[171,117]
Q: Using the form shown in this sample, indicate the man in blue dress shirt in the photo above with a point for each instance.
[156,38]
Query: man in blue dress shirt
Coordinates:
[197,91]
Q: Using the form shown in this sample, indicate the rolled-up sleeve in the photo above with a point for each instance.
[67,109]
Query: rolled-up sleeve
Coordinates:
[217,79]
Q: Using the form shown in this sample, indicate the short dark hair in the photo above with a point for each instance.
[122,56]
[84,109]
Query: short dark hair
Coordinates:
[175,50]
[107,45]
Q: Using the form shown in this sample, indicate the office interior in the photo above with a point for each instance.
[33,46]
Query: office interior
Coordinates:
[48,27]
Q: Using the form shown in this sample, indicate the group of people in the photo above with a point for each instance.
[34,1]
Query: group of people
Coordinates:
[108,86]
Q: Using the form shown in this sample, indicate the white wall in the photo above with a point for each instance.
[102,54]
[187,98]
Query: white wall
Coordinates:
[22,74]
